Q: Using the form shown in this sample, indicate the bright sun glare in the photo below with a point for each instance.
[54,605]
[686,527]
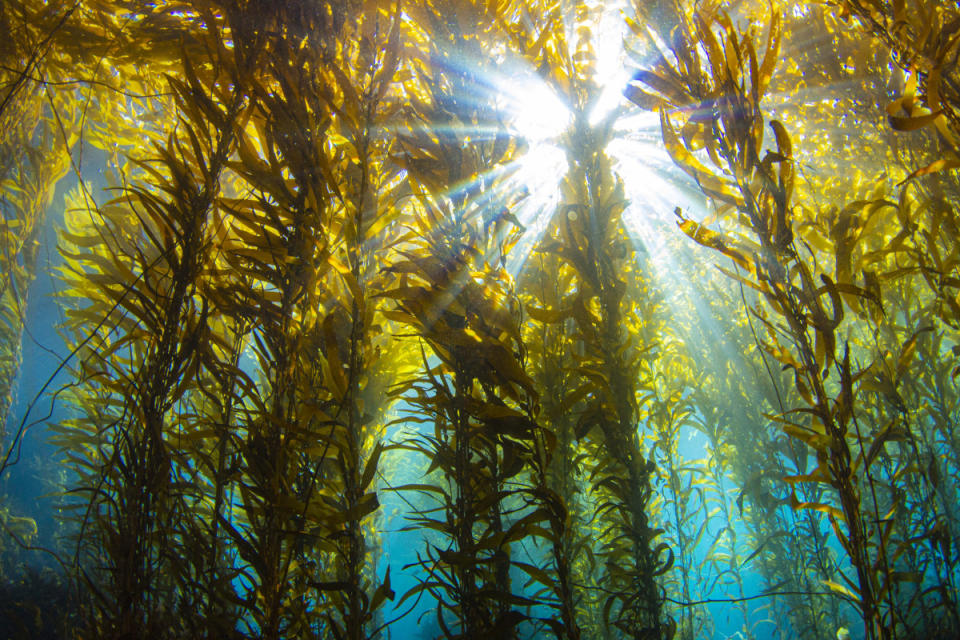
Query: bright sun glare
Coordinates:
[612,72]
[537,113]
[540,118]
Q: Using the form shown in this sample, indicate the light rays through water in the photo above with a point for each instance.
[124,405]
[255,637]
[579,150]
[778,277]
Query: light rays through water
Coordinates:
[610,68]
[538,118]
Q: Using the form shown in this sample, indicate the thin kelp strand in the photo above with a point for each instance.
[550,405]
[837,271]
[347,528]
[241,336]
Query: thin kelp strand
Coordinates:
[61,365]
[36,56]
[414,263]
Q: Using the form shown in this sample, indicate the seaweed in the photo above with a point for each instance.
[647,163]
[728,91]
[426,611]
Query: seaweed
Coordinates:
[37,604]
[293,229]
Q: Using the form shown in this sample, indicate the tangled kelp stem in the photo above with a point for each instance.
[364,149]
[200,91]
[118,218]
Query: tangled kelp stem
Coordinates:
[318,218]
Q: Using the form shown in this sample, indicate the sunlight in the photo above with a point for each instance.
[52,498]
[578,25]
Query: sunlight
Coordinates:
[539,117]
[538,172]
[612,72]
[654,186]
[537,112]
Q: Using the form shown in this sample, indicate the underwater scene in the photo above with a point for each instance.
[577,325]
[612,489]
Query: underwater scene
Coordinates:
[480,319]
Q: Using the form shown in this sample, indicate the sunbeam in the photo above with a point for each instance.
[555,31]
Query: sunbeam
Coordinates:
[536,113]
[539,117]
[538,173]
[612,73]
[654,186]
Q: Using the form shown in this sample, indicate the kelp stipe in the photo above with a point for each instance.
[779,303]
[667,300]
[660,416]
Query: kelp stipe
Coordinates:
[474,435]
[304,240]
[454,295]
[360,355]
[358,234]
[558,466]
[587,236]
[733,135]
[689,492]
[155,247]
[908,487]
[746,457]
[761,188]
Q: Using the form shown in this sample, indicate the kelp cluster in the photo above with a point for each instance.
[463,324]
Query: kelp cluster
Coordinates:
[312,247]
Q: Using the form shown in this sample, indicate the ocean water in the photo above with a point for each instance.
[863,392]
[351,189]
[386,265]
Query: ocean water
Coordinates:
[523,319]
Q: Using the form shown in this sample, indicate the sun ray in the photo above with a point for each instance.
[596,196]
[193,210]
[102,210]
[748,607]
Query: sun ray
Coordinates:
[538,173]
[612,72]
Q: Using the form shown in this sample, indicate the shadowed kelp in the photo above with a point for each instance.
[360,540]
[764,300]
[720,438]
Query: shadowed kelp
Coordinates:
[759,186]
[455,295]
[328,222]
[153,249]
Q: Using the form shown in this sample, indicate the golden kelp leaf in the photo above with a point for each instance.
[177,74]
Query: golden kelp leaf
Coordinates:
[835,301]
[736,277]
[669,87]
[383,79]
[911,122]
[943,164]
[383,592]
[817,475]
[426,585]
[548,316]
[906,576]
[908,349]
[722,68]
[349,279]
[641,98]
[426,488]
[575,396]
[332,355]
[893,431]
[371,467]
[677,151]
[367,504]
[708,238]
[503,362]
[784,147]
[932,89]
[772,53]
[870,292]
[664,565]
[817,440]
[830,510]
[842,590]
[536,574]
[694,134]
[824,347]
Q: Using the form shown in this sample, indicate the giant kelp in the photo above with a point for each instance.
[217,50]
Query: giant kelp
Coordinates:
[733,78]
[37,133]
[324,221]
[455,295]
[152,251]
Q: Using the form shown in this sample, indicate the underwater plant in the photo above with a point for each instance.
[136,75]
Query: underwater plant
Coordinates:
[558,463]
[760,188]
[454,295]
[292,229]
[586,235]
[150,270]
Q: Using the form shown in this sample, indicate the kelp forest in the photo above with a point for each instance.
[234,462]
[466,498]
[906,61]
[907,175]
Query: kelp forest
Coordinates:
[480,319]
